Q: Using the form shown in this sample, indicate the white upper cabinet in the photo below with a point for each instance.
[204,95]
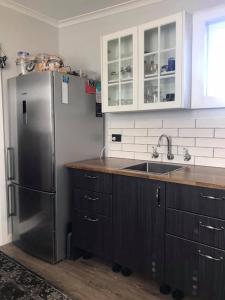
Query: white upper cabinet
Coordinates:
[119,71]
[160,59]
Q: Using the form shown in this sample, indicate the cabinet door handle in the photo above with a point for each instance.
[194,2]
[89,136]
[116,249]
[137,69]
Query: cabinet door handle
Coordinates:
[90,198]
[157,196]
[90,177]
[90,219]
[209,257]
[211,197]
[211,227]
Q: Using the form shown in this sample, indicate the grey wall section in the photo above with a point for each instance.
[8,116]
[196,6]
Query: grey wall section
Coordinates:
[21,32]
[78,136]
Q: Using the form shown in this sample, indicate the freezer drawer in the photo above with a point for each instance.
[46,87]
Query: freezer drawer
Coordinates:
[33,226]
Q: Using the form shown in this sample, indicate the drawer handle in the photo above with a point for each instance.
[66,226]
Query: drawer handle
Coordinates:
[211,227]
[90,177]
[209,257]
[90,219]
[211,197]
[90,198]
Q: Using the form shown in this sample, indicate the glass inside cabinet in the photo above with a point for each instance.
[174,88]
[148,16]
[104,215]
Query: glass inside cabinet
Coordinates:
[159,63]
[120,71]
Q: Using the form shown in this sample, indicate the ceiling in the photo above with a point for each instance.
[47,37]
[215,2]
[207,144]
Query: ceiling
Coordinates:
[64,9]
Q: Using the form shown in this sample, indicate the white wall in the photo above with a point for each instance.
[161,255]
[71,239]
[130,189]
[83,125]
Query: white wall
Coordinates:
[18,32]
[80,46]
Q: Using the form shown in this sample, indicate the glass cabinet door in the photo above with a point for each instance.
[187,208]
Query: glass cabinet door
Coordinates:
[167,62]
[151,65]
[120,87]
[158,63]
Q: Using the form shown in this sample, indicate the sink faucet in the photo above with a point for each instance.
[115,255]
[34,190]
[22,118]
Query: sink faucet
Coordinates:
[170,156]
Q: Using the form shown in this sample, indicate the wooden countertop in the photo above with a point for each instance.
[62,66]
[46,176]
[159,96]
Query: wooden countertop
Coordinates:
[189,175]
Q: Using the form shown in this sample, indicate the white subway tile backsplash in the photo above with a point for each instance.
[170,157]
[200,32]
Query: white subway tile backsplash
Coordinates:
[188,142]
[146,140]
[210,123]
[215,143]
[114,131]
[121,154]
[197,151]
[178,159]
[220,152]
[158,132]
[128,139]
[122,124]
[220,133]
[204,138]
[154,123]
[146,156]
[179,123]
[115,146]
[162,149]
[135,148]
[135,132]
[196,132]
[210,162]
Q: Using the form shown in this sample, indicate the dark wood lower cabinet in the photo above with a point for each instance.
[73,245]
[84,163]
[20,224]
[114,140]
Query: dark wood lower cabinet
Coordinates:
[171,232]
[139,225]
[194,268]
[93,233]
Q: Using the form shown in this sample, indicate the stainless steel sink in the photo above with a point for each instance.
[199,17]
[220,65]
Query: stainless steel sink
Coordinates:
[149,167]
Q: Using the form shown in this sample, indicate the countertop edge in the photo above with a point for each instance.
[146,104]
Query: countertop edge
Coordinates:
[90,166]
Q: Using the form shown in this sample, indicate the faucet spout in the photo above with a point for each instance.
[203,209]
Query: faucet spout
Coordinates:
[170,156]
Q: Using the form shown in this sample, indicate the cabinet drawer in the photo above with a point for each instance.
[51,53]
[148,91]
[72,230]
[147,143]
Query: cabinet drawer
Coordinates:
[196,269]
[197,228]
[92,233]
[92,181]
[93,202]
[203,201]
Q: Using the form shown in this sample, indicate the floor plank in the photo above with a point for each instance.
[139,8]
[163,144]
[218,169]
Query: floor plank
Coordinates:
[89,279]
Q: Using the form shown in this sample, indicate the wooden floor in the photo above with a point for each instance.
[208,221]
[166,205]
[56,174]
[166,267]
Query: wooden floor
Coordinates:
[89,279]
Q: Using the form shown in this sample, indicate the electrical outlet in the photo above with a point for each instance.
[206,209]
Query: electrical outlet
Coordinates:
[116,137]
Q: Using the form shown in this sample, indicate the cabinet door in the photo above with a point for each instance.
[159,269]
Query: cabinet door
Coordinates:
[151,228]
[196,269]
[138,224]
[181,270]
[119,71]
[161,63]
[125,221]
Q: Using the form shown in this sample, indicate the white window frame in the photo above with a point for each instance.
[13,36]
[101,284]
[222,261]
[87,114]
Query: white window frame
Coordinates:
[199,58]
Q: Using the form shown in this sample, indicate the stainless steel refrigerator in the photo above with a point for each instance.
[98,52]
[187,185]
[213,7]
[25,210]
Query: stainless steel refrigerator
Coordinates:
[52,121]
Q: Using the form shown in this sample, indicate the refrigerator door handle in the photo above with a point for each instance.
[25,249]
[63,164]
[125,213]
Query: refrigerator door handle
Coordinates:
[11,201]
[24,104]
[10,163]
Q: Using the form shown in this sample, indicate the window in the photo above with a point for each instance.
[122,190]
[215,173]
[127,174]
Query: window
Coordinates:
[208,59]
